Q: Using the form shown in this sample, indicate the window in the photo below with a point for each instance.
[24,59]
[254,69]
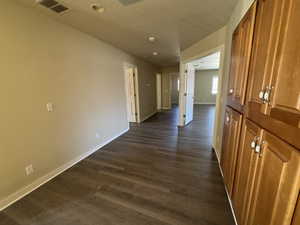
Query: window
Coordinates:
[214,88]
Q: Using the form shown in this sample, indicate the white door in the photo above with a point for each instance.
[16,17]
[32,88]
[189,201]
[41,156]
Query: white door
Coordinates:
[158,91]
[189,93]
[131,95]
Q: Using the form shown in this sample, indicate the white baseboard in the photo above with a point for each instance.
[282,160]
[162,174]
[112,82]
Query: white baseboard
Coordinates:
[147,117]
[230,202]
[4,203]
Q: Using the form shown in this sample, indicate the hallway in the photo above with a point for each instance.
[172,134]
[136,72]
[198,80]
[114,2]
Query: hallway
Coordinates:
[155,174]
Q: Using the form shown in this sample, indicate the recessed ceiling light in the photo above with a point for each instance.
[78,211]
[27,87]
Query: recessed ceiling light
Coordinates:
[155,53]
[98,8]
[152,39]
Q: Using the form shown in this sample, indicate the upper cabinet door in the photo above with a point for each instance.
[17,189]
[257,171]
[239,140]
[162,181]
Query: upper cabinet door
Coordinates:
[284,94]
[232,129]
[277,183]
[241,53]
[270,16]
[246,168]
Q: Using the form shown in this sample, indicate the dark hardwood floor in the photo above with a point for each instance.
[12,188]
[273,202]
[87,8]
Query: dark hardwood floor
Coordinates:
[156,174]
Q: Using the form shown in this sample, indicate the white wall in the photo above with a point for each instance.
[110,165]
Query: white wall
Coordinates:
[203,86]
[44,61]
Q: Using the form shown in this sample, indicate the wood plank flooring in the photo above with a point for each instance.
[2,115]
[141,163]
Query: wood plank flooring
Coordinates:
[156,174]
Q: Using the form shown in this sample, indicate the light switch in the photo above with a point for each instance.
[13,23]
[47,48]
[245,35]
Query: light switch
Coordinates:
[49,107]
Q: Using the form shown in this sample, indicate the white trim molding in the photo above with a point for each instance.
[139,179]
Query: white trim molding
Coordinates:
[14,197]
[230,202]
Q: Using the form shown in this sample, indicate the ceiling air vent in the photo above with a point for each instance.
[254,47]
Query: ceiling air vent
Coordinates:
[59,8]
[128,2]
[53,5]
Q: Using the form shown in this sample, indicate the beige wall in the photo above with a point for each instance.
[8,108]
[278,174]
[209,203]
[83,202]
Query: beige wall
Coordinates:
[212,41]
[203,85]
[44,61]
[175,92]
[171,69]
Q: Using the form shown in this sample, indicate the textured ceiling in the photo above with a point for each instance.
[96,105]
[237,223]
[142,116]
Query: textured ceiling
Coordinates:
[127,24]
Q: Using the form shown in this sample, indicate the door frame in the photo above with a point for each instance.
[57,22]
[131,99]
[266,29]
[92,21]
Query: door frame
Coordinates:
[220,110]
[136,90]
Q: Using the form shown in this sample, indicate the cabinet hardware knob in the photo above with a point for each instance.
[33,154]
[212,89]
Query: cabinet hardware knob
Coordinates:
[231,91]
[261,95]
[227,119]
[266,96]
[257,149]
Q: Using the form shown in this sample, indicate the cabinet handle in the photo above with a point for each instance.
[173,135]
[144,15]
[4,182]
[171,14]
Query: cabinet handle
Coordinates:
[227,119]
[267,94]
[253,144]
[261,95]
[258,149]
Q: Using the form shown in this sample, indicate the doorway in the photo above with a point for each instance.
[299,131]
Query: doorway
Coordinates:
[132,97]
[200,89]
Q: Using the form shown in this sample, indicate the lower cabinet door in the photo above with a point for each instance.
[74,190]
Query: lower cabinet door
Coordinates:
[246,168]
[232,129]
[276,185]
[296,219]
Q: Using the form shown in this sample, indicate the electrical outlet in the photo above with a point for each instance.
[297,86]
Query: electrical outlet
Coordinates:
[97,135]
[29,170]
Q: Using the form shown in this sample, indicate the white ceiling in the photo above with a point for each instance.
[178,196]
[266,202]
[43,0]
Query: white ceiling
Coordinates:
[177,24]
[210,62]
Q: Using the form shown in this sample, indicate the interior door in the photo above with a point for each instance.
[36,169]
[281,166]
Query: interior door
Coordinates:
[131,95]
[246,168]
[277,183]
[189,93]
[267,27]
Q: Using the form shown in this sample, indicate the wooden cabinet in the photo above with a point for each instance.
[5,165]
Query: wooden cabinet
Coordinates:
[232,128]
[267,180]
[261,166]
[274,78]
[296,219]
[240,60]
[277,183]
[246,169]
